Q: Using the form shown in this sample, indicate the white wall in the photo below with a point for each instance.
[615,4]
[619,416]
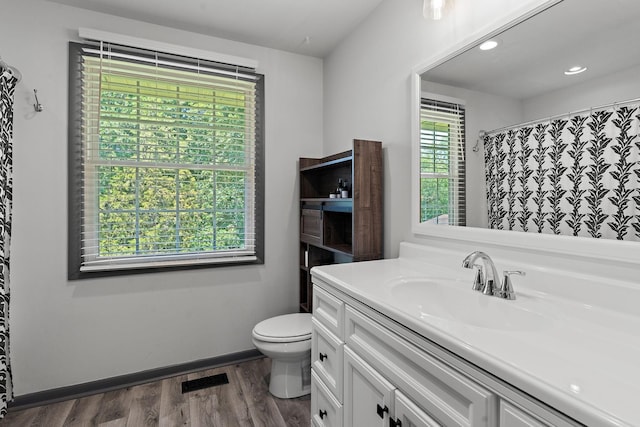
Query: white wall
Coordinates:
[367,86]
[65,333]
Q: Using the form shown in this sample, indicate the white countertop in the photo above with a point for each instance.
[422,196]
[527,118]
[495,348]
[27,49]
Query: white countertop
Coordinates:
[582,359]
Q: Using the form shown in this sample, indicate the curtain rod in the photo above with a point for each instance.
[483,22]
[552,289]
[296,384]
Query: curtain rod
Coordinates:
[13,70]
[483,133]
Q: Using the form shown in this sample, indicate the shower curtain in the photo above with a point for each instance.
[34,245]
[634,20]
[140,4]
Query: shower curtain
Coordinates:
[576,175]
[7,87]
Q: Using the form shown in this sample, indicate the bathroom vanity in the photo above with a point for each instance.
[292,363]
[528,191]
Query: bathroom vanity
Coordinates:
[407,342]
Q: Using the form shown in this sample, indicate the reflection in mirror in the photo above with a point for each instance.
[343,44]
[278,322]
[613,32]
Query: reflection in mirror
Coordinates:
[442,163]
[554,153]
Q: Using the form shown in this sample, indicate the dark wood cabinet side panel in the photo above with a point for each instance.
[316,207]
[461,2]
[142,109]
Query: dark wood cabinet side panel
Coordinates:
[368,208]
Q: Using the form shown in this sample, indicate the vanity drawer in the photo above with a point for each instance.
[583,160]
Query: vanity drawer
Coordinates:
[448,396]
[326,411]
[329,311]
[326,358]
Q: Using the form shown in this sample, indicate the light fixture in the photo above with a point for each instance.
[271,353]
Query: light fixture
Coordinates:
[575,70]
[488,45]
[433,9]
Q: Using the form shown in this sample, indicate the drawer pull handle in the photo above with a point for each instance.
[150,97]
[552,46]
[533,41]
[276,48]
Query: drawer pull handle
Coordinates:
[323,356]
[322,414]
[395,423]
[382,410]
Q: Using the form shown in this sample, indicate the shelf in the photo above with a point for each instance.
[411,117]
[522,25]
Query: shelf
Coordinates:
[343,249]
[327,204]
[345,206]
[329,164]
[319,180]
[325,200]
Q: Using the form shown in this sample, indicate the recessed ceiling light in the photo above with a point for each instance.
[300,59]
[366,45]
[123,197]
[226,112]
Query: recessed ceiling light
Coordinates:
[488,45]
[575,70]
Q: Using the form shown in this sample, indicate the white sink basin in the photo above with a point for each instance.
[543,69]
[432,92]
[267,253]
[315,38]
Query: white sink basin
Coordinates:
[455,301]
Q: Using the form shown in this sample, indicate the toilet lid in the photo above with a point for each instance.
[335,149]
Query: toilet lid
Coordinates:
[285,328]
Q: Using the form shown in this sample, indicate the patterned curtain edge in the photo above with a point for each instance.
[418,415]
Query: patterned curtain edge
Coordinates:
[7,88]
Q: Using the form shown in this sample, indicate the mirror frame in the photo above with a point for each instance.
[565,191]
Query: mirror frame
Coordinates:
[600,249]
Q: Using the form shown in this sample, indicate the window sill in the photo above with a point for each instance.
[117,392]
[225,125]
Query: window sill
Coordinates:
[106,268]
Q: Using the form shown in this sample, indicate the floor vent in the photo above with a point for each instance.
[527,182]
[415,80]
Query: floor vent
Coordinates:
[206,382]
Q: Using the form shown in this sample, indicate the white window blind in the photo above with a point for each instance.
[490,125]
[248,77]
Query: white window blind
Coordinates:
[442,163]
[169,160]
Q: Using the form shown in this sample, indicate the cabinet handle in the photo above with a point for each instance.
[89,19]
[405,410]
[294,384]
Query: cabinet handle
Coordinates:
[322,414]
[382,410]
[395,423]
[323,356]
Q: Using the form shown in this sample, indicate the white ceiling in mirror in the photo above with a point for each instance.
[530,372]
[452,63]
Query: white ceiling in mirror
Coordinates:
[531,57]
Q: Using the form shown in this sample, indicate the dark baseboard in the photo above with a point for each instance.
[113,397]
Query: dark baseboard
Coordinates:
[102,386]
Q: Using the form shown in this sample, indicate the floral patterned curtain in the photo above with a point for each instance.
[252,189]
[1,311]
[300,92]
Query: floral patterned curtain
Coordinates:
[577,175]
[7,87]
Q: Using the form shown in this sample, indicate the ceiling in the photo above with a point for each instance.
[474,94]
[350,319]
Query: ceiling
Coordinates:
[308,27]
[532,56]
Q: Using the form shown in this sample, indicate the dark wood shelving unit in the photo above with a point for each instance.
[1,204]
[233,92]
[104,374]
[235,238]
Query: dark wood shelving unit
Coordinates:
[339,230]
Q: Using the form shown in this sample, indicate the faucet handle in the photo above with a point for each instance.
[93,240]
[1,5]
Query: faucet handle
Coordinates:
[478,281]
[506,291]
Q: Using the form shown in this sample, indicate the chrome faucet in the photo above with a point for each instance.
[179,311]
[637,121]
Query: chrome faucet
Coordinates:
[486,279]
[486,275]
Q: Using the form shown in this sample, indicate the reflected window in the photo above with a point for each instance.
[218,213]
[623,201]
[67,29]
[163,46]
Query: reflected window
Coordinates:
[442,163]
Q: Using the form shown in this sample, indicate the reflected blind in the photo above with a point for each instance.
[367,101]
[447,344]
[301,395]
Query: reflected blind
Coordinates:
[168,159]
[442,163]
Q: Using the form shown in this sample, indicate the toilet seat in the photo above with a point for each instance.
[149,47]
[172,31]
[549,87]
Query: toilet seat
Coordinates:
[284,329]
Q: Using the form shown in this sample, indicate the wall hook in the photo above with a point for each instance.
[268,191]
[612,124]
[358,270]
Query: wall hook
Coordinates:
[481,136]
[37,106]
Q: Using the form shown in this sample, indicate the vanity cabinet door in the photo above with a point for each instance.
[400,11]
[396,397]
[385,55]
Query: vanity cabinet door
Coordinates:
[511,416]
[449,396]
[326,411]
[368,397]
[410,415]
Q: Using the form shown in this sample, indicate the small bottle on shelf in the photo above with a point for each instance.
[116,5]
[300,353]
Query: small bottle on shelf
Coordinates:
[339,189]
[345,190]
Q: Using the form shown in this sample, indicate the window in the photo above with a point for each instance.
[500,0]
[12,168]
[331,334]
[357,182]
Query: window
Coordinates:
[166,164]
[442,163]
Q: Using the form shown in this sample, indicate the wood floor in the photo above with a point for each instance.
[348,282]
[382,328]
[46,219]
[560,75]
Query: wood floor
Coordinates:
[245,401]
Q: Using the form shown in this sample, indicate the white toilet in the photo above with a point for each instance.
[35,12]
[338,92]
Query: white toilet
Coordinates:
[287,341]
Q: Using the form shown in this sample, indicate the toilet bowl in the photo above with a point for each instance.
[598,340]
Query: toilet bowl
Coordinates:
[287,341]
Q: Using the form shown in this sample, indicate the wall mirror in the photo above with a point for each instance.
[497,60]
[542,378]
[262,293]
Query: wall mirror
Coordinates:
[521,84]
